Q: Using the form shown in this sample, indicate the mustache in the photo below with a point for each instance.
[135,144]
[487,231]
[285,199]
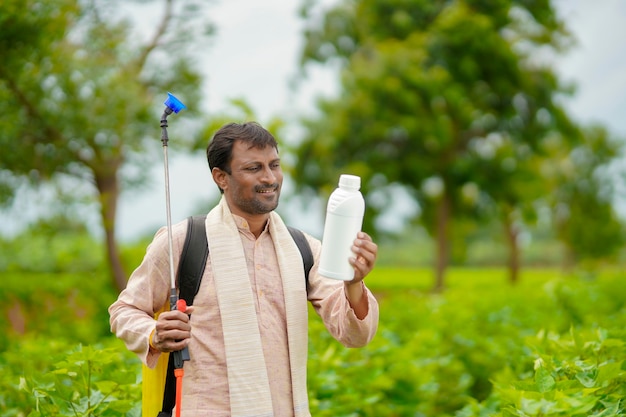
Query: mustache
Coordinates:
[261,188]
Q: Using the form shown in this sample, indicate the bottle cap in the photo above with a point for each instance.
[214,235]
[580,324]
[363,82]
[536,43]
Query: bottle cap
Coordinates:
[352,182]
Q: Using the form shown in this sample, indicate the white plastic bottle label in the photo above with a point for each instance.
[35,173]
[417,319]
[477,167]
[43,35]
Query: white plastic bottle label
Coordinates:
[339,235]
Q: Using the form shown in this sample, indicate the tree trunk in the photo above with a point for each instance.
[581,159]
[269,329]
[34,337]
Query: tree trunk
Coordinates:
[512,234]
[108,188]
[443,242]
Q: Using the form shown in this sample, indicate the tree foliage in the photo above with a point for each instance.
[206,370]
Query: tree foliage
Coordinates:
[78,90]
[582,199]
[450,100]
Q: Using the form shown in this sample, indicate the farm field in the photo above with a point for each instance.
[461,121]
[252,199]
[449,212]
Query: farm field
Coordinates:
[552,345]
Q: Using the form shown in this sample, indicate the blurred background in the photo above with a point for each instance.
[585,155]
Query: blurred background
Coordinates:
[489,136]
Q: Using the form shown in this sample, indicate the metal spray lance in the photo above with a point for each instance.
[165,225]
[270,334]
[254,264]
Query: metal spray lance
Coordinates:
[173,105]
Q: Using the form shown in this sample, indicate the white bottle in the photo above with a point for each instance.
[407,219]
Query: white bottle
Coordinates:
[344,218]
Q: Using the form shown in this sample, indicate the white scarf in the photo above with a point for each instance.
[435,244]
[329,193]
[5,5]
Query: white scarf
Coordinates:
[247,373]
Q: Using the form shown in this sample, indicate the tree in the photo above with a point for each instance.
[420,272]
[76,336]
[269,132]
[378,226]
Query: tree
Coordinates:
[78,91]
[425,86]
[582,198]
[512,173]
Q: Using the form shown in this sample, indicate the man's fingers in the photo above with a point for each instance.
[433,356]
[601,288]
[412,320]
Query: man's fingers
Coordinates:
[173,334]
[168,340]
[172,330]
[176,315]
[172,345]
[365,252]
[166,325]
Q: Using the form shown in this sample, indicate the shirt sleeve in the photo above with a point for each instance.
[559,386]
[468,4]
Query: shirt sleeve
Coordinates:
[133,314]
[331,303]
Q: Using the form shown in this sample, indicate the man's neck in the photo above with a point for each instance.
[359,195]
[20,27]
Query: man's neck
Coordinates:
[257,223]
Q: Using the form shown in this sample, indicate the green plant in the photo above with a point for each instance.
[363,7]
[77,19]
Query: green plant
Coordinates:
[85,381]
[471,350]
[552,345]
[580,374]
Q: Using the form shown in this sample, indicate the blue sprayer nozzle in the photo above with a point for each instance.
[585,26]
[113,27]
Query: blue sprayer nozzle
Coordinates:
[174,104]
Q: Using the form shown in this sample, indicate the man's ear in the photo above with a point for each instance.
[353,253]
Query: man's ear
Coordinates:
[219,177]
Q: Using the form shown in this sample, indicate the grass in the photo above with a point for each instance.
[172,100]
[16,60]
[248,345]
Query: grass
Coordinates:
[422,279]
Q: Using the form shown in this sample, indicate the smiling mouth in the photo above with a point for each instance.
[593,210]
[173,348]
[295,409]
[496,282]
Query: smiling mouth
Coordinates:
[267,190]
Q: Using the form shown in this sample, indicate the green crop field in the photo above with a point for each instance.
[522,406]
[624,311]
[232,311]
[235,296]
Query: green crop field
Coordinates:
[553,345]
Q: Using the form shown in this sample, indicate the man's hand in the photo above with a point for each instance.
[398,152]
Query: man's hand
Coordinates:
[363,263]
[172,331]
[366,251]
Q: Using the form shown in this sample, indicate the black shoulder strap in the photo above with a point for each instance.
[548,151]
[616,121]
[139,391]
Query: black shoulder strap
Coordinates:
[190,269]
[305,251]
[193,260]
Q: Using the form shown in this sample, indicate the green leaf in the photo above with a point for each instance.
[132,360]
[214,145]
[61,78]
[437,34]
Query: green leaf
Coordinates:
[537,406]
[611,409]
[587,379]
[610,371]
[543,380]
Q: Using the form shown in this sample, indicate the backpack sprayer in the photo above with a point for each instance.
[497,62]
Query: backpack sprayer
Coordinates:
[173,105]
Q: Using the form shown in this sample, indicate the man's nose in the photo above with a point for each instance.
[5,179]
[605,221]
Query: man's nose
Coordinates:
[268,175]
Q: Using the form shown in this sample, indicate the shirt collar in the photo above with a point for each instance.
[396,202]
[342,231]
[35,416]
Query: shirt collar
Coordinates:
[243,226]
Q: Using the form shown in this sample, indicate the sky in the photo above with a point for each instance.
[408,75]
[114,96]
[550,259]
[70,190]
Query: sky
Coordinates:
[255,56]
[598,63]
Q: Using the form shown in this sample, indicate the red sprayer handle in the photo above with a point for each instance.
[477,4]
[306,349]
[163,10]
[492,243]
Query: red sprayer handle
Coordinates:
[179,358]
[179,373]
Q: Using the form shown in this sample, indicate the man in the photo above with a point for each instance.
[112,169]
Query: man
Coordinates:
[247,335]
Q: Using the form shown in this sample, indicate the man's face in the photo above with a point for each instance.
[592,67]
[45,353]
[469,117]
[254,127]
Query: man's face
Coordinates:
[253,187]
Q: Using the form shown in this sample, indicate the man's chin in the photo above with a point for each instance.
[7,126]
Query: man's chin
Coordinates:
[266,206]
[271,207]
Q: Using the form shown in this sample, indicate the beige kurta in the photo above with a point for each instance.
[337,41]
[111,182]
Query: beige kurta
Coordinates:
[278,301]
